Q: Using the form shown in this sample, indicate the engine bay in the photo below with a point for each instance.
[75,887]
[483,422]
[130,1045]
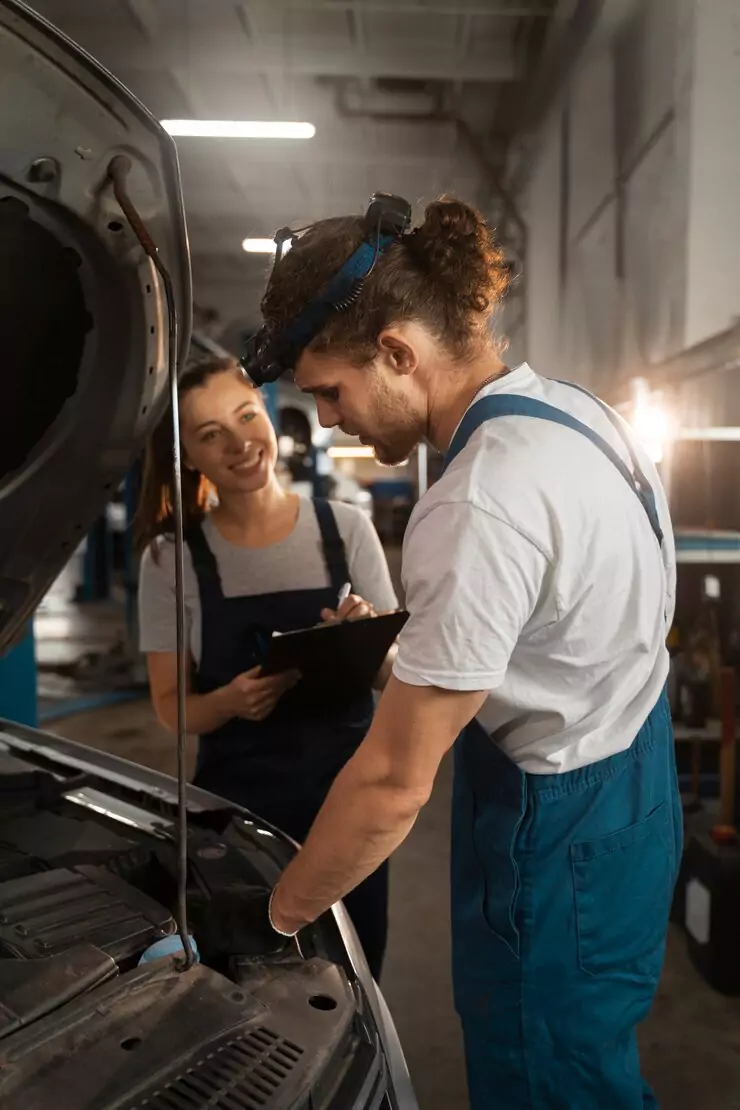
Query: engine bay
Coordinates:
[88,882]
[70,873]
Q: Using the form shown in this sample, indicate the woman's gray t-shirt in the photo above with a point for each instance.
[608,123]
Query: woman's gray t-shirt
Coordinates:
[297,562]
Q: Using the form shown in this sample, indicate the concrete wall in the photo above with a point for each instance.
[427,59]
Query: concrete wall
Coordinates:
[713,249]
[633,202]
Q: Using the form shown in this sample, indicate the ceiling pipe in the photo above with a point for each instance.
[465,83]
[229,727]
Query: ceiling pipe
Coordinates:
[716,355]
[512,228]
[572,29]
[492,174]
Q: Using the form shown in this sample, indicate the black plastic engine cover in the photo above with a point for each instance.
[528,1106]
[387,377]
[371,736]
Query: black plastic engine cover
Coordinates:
[51,912]
[159,1039]
[14,864]
[29,989]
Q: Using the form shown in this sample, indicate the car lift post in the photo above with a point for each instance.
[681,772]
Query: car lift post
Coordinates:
[18,682]
[270,394]
[98,562]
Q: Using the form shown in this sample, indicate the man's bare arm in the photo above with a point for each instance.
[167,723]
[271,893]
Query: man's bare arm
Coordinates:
[375,799]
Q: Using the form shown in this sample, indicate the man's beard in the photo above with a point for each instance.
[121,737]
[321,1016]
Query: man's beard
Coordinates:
[395,453]
[395,430]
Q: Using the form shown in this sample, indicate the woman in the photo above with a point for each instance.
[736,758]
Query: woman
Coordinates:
[258,559]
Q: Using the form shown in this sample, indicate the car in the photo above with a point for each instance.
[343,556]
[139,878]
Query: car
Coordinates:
[99,1006]
[88,882]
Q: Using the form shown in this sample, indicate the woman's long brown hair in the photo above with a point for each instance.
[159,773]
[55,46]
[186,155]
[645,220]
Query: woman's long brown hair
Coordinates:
[154,516]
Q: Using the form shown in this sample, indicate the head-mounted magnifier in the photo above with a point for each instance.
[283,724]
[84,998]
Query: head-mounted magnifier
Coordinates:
[267,355]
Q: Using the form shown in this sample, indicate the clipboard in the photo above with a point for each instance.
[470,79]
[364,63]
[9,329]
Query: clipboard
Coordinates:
[338,661]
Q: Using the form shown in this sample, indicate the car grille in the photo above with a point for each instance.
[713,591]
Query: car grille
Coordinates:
[246,1073]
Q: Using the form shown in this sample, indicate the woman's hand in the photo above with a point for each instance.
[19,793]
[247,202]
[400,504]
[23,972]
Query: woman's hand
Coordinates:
[253,698]
[352,609]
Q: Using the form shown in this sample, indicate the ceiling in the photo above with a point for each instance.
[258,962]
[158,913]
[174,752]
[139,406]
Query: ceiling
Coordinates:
[409,96]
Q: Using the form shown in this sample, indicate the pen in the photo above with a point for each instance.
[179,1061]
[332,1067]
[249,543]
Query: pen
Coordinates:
[344,593]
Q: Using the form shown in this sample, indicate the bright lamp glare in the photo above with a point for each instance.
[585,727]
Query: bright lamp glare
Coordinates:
[237,129]
[650,423]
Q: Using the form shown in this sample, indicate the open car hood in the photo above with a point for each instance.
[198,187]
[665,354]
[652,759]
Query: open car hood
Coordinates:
[83,315]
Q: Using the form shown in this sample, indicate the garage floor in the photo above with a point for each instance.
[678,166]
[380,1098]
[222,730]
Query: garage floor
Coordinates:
[691,1044]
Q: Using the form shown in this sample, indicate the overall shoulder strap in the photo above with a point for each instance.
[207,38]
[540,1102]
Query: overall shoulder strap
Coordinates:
[335,554]
[511,404]
[204,564]
[644,490]
[618,425]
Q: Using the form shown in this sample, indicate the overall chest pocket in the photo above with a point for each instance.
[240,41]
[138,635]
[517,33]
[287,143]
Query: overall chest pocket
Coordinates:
[623,885]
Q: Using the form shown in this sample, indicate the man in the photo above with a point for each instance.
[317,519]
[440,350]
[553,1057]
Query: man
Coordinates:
[539,574]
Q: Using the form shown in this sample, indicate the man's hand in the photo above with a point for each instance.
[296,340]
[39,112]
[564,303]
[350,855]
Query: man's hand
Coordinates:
[375,799]
[352,609]
[253,698]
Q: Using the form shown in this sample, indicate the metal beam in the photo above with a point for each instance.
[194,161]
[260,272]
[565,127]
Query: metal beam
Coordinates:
[717,355]
[513,232]
[337,146]
[252,33]
[144,15]
[356,25]
[425,9]
[465,32]
[572,30]
[225,55]
[514,9]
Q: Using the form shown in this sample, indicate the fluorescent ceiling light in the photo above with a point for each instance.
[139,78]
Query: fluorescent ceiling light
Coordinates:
[262,246]
[361,452]
[238,129]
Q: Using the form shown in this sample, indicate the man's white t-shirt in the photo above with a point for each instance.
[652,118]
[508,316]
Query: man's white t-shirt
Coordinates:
[531,571]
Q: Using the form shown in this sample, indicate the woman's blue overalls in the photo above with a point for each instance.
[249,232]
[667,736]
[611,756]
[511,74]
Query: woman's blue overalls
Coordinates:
[282,768]
[561,890]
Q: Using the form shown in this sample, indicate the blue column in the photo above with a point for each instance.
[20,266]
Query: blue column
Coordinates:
[270,394]
[98,563]
[18,682]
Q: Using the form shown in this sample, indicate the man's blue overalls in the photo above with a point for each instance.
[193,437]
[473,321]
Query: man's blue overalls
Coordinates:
[561,890]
